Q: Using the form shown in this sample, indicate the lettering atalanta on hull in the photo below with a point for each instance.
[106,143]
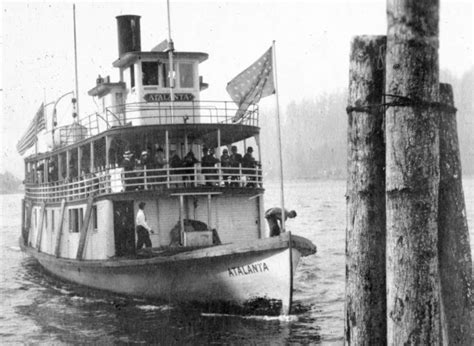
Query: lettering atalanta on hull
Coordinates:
[248,269]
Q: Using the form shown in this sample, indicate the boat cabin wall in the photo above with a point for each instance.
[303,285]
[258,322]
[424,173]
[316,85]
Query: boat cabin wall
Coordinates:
[100,236]
[234,218]
[147,82]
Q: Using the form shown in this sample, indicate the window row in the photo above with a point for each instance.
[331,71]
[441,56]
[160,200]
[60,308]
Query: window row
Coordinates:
[158,74]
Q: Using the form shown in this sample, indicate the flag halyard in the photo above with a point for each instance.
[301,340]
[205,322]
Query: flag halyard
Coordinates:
[255,82]
[29,138]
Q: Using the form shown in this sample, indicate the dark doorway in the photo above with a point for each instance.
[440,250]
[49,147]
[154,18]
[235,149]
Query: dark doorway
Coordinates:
[124,228]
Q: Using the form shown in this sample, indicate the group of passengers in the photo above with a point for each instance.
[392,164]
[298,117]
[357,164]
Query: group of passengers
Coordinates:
[135,170]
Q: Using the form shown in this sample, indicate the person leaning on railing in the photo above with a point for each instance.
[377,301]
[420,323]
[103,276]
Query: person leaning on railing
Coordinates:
[176,164]
[235,161]
[208,161]
[249,161]
[128,165]
[225,162]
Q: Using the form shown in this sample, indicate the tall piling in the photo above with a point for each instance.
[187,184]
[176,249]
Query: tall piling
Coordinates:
[412,172]
[455,261]
[365,303]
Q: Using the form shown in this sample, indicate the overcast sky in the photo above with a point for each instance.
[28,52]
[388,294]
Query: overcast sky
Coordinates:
[312,42]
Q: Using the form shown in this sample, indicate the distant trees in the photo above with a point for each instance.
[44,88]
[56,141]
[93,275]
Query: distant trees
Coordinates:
[9,183]
[314,132]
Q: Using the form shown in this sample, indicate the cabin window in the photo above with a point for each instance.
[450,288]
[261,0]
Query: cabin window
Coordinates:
[186,75]
[94,217]
[132,76]
[149,73]
[75,220]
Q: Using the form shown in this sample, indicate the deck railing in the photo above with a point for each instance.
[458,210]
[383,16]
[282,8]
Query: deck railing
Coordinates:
[157,113]
[117,180]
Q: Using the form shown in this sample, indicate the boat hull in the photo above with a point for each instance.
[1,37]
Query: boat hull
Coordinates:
[230,275]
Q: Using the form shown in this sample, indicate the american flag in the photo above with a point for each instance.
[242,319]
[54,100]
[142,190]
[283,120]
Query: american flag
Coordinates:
[29,138]
[252,84]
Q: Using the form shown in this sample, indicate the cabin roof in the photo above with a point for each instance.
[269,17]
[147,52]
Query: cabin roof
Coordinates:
[130,57]
[104,88]
[205,133]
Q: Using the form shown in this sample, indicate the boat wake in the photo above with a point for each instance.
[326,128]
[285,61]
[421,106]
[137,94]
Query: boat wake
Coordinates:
[155,307]
[281,318]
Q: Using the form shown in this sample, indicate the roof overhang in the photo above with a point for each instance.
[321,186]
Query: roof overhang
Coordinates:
[131,57]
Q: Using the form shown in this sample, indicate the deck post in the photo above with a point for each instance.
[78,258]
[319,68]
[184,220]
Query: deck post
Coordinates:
[365,309]
[84,229]
[39,235]
[107,149]
[167,155]
[219,165]
[92,157]
[412,172]
[68,158]
[57,248]
[181,219]
[455,261]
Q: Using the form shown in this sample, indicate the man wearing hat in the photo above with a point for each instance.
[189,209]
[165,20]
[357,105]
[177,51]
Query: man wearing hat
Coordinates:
[249,161]
[128,165]
[142,228]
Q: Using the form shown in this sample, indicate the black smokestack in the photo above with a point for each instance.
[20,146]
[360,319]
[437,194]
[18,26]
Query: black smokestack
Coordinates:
[128,28]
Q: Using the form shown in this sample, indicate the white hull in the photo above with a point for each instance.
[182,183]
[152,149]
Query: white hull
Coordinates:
[229,274]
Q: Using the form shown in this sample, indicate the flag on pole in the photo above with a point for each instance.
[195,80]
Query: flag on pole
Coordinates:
[252,84]
[29,138]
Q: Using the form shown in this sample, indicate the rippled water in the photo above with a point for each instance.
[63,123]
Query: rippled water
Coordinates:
[38,308]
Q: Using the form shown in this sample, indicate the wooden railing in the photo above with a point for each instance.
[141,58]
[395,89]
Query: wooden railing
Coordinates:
[117,180]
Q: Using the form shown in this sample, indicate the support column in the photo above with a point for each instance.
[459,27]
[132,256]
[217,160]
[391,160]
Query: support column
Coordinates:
[455,260]
[412,172]
[108,140]
[92,157]
[365,303]
[68,158]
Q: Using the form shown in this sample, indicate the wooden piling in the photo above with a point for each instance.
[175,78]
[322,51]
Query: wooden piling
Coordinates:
[455,261]
[412,172]
[365,303]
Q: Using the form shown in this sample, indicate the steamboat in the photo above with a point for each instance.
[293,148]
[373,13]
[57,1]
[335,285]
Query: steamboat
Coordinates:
[210,244]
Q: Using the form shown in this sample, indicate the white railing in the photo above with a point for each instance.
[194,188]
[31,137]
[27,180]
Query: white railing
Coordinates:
[118,180]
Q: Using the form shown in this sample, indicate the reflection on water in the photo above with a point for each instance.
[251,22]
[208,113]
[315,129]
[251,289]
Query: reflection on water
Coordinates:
[38,308]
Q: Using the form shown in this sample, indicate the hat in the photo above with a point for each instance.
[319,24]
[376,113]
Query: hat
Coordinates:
[141,205]
[128,153]
[144,152]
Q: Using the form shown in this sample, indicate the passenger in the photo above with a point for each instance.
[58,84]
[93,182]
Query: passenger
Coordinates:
[235,161]
[159,163]
[208,161]
[142,228]
[128,165]
[225,162]
[249,162]
[189,161]
[142,165]
[273,217]
[175,164]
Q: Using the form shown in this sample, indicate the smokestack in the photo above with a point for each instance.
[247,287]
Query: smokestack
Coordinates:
[128,29]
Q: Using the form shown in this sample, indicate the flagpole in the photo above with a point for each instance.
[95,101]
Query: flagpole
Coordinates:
[282,193]
[75,63]
[170,57]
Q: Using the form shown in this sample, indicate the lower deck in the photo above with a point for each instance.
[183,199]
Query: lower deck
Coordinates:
[105,227]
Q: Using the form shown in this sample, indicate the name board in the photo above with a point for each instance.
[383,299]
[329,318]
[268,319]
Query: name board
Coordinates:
[165,97]
[248,269]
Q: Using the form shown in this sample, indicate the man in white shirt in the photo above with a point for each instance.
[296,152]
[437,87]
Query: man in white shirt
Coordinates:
[142,228]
